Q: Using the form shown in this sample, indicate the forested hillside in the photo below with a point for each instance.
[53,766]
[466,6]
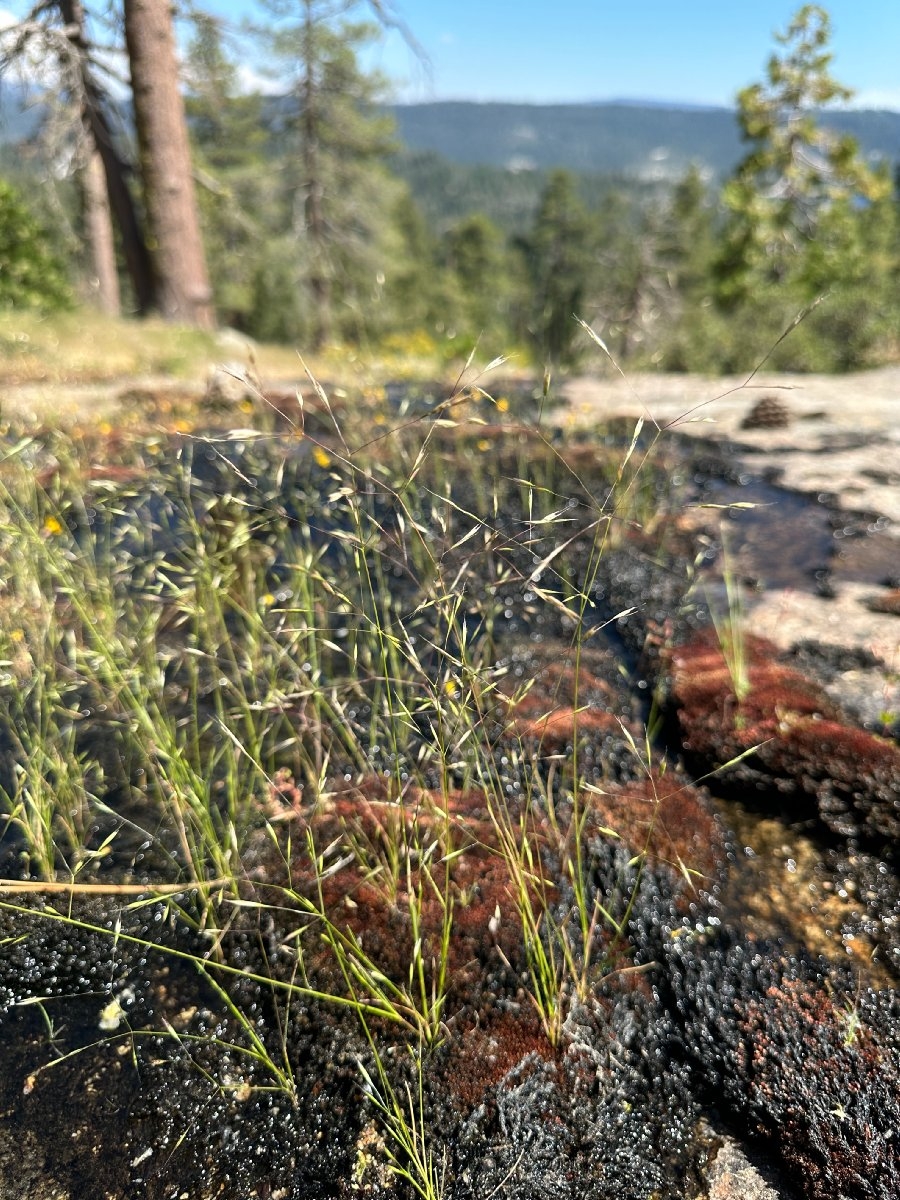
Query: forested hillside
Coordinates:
[687,238]
[446,192]
[642,141]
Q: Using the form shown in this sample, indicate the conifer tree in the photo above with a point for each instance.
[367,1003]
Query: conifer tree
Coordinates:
[182,285]
[558,254]
[689,238]
[476,256]
[80,125]
[334,142]
[165,262]
[793,200]
[237,189]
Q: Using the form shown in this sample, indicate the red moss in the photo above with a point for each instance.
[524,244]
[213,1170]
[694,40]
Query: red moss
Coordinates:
[804,745]
[561,705]
[384,851]
[666,818]
[557,729]
[485,1055]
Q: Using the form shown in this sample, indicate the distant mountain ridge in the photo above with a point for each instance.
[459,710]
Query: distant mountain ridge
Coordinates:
[651,143]
[648,141]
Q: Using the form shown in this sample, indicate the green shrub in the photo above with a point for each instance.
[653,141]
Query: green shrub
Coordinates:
[849,330]
[31,276]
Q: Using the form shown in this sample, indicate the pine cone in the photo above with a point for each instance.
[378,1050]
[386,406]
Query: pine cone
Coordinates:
[770,412]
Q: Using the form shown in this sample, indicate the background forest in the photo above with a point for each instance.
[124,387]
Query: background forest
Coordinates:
[318,227]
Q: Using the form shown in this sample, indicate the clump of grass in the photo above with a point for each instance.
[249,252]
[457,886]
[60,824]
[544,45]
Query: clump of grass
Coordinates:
[88,347]
[730,630]
[233,630]
[410,1153]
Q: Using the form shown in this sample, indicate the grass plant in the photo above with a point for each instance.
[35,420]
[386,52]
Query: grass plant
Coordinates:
[85,347]
[730,629]
[411,1156]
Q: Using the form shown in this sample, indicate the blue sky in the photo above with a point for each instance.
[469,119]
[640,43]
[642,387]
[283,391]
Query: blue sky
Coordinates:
[687,51]
[697,51]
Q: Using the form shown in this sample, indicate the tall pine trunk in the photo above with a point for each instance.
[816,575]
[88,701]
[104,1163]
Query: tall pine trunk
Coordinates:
[116,172]
[183,291]
[121,203]
[99,236]
[316,230]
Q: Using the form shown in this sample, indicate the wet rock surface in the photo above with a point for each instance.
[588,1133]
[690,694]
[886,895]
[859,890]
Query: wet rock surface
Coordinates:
[140,1044]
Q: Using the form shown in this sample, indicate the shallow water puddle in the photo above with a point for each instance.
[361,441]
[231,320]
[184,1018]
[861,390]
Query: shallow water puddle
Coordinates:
[790,539]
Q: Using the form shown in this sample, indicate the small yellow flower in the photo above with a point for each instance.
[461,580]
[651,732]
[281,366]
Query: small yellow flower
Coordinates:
[503,405]
[52,526]
[322,457]
[450,687]
[267,600]
[246,406]
[483,443]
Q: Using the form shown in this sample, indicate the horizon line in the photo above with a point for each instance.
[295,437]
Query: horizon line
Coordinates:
[623,101]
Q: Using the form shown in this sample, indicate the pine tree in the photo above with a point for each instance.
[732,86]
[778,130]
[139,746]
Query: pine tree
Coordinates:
[100,237]
[334,141]
[179,260]
[476,256]
[416,297]
[166,262]
[82,123]
[238,193]
[689,238]
[689,245]
[558,254]
[631,287]
[793,200]
[227,123]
